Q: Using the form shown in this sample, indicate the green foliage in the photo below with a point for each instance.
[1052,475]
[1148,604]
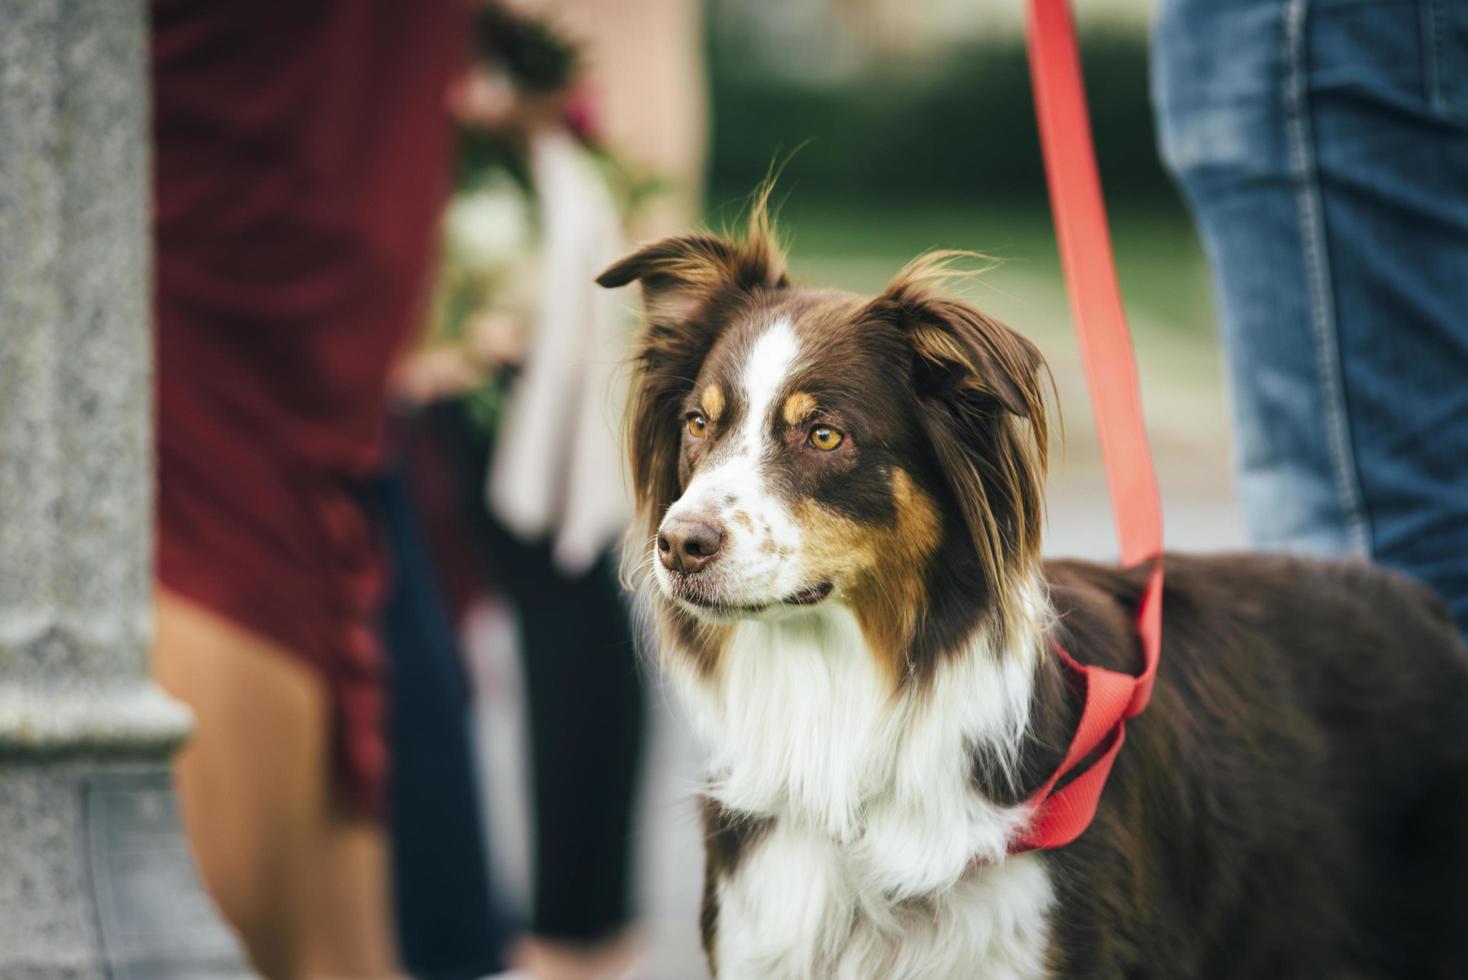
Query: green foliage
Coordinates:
[959,128]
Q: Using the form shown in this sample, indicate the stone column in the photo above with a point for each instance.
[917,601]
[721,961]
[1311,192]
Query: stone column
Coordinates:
[95,878]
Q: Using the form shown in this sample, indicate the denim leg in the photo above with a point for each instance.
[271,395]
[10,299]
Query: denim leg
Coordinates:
[1323,146]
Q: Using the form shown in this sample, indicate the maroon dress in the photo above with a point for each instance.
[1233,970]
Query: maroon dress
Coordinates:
[302,160]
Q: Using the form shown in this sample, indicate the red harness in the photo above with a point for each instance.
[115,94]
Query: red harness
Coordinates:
[1061,815]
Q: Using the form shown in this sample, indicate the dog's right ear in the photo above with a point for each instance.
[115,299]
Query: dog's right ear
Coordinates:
[692,286]
[680,274]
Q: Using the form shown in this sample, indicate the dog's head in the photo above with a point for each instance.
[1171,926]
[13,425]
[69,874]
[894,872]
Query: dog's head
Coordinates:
[794,447]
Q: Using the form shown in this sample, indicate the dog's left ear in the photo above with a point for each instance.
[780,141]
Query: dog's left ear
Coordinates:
[959,351]
[980,389]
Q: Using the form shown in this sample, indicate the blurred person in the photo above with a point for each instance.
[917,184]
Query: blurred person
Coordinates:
[642,94]
[644,63]
[543,525]
[642,90]
[302,158]
[448,923]
[1323,146]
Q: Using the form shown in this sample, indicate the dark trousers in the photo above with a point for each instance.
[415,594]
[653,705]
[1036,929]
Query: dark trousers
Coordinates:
[448,928]
[585,708]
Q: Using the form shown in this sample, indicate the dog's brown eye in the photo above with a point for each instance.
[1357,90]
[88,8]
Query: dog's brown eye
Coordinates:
[825,438]
[697,425]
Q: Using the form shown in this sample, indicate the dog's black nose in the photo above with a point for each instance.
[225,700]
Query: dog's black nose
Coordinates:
[687,545]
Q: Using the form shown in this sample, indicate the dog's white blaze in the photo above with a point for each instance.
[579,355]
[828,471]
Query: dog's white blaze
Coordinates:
[759,531]
[769,364]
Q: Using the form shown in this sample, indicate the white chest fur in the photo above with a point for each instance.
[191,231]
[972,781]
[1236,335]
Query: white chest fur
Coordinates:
[792,910]
[869,868]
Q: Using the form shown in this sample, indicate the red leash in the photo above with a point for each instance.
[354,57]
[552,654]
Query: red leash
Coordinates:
[1061,815]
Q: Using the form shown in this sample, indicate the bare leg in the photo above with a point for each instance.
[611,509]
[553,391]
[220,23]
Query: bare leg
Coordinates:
[306,887]
[351,912]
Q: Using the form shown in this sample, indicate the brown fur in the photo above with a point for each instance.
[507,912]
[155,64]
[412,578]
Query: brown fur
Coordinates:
[982,379]
[1291,803]
[888,598]
[702,643]
[727,838]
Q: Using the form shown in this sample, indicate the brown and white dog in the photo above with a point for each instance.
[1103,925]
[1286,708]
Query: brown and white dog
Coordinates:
[843,500]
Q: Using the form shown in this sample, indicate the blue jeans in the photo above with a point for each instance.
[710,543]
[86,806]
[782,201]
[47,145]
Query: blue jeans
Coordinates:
[1323,147]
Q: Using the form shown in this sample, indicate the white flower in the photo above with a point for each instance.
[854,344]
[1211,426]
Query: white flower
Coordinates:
[490,225]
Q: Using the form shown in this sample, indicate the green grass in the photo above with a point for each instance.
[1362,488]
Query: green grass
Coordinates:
[858,245]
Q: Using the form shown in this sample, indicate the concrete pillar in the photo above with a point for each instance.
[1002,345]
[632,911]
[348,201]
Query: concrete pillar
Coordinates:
[95,878]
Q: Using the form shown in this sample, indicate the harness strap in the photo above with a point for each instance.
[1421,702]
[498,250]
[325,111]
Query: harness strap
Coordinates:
[1063,814]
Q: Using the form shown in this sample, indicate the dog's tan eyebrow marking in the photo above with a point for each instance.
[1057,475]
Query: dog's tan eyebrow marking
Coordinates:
[798,406]
[712,402]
